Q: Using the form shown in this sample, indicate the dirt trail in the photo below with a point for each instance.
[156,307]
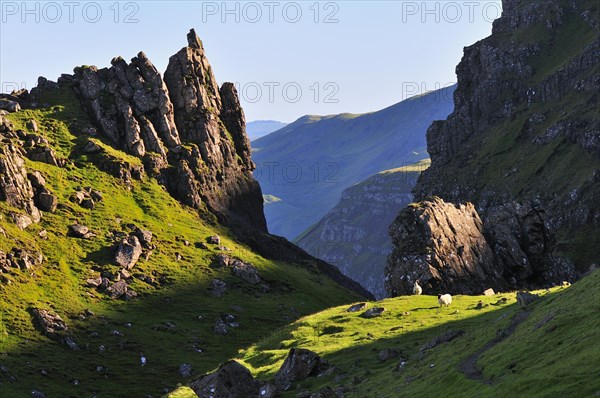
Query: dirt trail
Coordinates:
[469,365]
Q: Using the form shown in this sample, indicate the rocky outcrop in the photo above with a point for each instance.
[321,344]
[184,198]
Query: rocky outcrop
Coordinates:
[15,188]
[526,157]
[350,236]
[447,247]
[230,380]
[189,133]
[299,365]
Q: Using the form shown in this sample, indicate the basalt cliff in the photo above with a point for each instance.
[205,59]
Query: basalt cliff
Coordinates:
[511,197]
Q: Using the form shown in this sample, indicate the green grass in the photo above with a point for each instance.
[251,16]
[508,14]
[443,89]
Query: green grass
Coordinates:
[183,300]
[559,357]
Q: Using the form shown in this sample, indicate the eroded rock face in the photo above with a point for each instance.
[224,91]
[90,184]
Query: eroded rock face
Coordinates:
[495,150]
[442,246]
[450,248]
[15,188]
[190,133]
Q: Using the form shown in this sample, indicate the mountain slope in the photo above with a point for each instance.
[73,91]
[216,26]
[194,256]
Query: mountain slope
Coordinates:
[522,146]
[549,348]
[308,163]
[103,261]
[259,128]
[353,235]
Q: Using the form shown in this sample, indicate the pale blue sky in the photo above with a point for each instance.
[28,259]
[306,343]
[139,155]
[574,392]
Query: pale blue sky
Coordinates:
[372,53]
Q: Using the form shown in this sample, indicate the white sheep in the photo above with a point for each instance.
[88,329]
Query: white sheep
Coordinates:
[417,290]
[444,299]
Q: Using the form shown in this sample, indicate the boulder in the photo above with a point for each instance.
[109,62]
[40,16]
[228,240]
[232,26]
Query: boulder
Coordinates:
[50,323]
[47,201]
[356,307]
[217,287]
[81,231]
[230,380]
[489,292]
[246,272]
[32,125]
[185,370]
[387,354]
[298,366]
[9,106]
[525,298]
[117,289]
[144,236]
[214,240]
[128,252]
[373,312]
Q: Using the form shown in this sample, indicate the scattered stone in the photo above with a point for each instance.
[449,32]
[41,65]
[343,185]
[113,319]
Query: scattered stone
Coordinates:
[47,201]
[441,339]
[217,287]
[91,147]
[21,220]
[373,312]
[128,252]
[201,245]
[145,237]
[230,380]
[37,180]
[185,370]
[94,281]
[525,298]
[489,292]
[32,125]
[9,106]
[117,289]
[357,307]
[246,272]
[81,231]
[88,203]
[37,394]
[214,240]
[129,295]
[387,354]
[298,366]
[222,261]
[220,327]
[124,274]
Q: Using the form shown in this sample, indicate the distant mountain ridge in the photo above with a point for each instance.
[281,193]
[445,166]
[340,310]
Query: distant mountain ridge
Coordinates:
[308,163]
[259,128]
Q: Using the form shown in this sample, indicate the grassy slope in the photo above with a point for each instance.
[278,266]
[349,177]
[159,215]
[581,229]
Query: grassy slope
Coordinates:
[60,284]
[335,152]
[558,358]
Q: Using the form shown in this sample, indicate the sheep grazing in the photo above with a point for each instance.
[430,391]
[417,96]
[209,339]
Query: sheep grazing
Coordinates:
[417,290]
[444,299]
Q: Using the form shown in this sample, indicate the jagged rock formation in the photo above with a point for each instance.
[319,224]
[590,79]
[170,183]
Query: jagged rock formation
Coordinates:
[351,236]
[15,188]
[522,145]
[190,134]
